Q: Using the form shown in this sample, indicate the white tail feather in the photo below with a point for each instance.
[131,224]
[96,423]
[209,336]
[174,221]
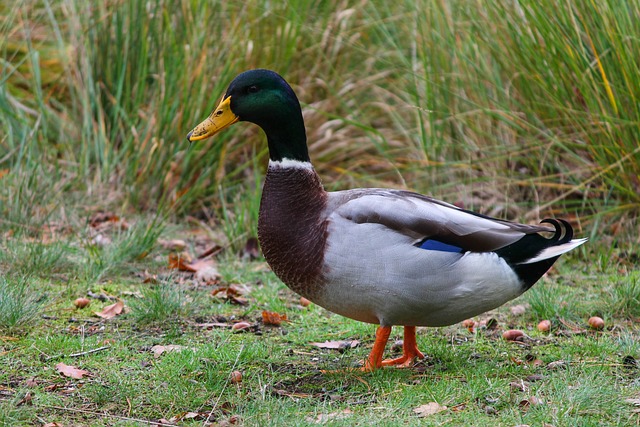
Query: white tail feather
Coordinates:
[555,251]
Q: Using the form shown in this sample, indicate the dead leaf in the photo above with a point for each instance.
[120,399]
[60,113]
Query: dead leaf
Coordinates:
[273,319]
[337,345]
[634,402]
[324,418]
[102,221]
[531,401]
[207,274]
[518,310]
[173,245]
[54,424]
[430,408]
[204,268]
[31,382]
[71,371]
[157,350]
[111,311]
[180,262]
[231,293]
[3,172]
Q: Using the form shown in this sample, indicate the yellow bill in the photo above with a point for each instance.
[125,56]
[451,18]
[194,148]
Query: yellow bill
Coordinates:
[219,119]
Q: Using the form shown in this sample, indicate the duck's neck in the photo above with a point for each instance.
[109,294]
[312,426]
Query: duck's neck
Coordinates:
[286,134]
[291,224]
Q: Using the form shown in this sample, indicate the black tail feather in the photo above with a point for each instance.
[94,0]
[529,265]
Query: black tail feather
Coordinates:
[531,245]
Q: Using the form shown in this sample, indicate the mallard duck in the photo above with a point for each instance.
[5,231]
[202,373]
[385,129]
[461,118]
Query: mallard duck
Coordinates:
[382,256]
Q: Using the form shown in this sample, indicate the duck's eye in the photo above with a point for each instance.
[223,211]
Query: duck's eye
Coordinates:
[252,89]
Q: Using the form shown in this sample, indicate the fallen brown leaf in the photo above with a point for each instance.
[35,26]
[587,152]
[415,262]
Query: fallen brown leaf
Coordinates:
[430,408]
[173,245]
[111,311]
[149,278]
[157,350]
[204,269]
[231,293]
[180,262]
[207,273]
[105,220]
[518,310]
[273,319]
[324,418]
[54,424]
[337,345]
[71,371]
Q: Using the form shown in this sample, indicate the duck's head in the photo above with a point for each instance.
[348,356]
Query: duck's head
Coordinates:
[262,97]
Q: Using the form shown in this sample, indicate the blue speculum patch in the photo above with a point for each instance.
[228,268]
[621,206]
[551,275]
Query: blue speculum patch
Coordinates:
[434,245]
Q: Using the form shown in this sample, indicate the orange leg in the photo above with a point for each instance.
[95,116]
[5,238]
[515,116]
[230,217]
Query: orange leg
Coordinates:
[409,349]
[375,357]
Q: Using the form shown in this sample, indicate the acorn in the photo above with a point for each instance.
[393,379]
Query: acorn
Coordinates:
[81,302]
[304,302]
[544,326]
[596,322]
[240,326]
[513,335]
[235,377]
[469,324]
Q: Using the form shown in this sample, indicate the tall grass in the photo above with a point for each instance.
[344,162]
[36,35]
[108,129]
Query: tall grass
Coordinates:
[504,106]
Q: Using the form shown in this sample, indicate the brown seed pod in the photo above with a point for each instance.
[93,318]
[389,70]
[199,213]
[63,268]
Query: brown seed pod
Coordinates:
[304,302]
[235,377]
[81,302]
[513,335]
[596,322]
[240,326]
[544,326]
[469,324]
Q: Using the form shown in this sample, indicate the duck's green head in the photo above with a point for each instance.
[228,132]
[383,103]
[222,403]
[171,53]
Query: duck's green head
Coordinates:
[262,97]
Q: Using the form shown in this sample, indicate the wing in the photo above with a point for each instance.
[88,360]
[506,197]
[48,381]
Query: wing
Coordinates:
[423,218]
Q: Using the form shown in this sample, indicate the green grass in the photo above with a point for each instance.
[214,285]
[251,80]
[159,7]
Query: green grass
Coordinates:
[20,304]
[519,110]
[582,376]
[531,114]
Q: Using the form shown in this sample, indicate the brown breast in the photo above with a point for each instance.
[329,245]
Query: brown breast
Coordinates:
[291,228]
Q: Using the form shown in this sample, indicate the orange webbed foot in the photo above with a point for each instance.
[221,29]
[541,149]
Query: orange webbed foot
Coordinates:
[409,350]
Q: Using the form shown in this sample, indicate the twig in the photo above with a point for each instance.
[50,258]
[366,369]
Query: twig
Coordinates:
[212,251]
[82,353]
[106,414]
